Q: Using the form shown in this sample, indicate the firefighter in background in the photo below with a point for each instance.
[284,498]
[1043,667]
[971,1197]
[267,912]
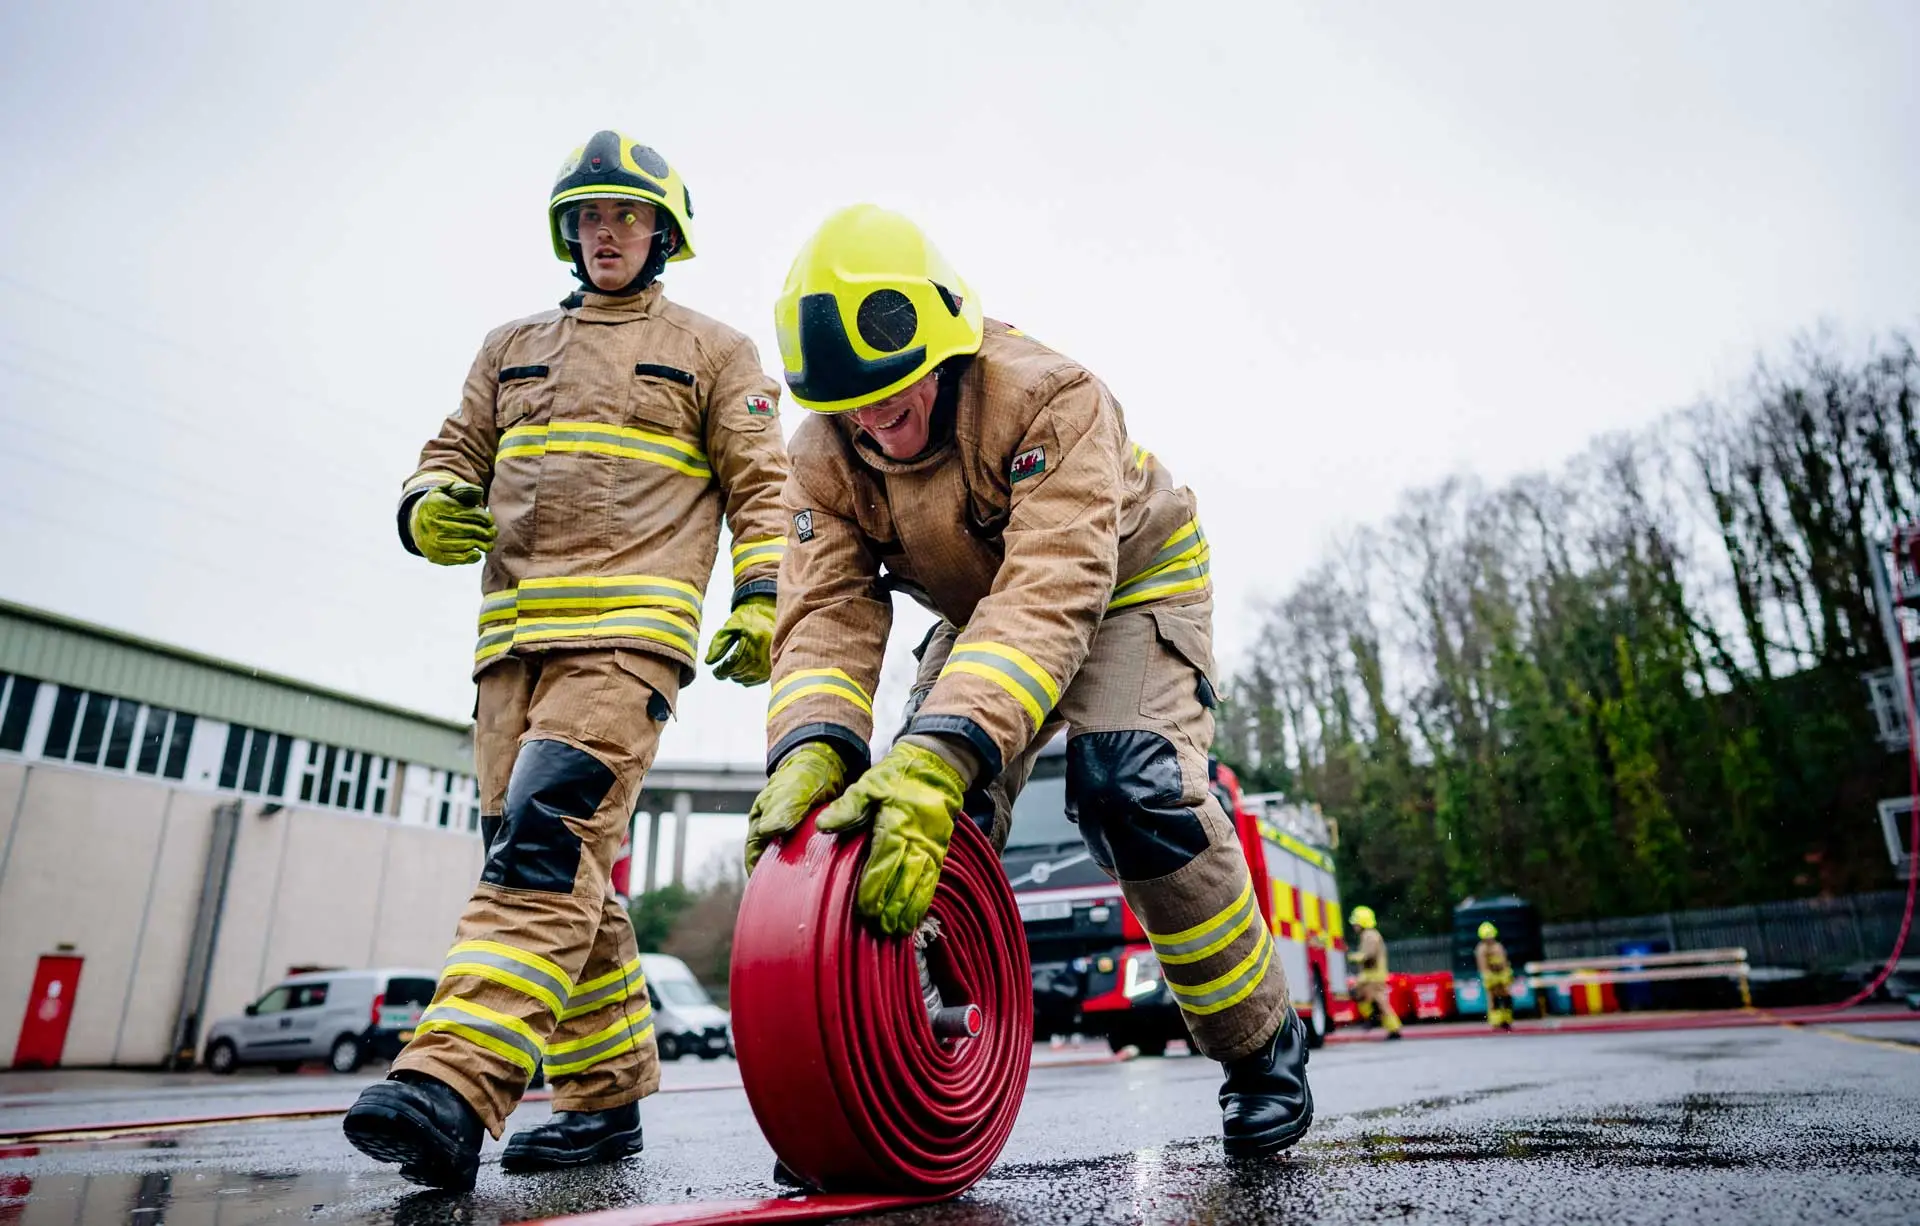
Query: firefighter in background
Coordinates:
[1496,976]
[1372,997]
[954,458]
[594,452]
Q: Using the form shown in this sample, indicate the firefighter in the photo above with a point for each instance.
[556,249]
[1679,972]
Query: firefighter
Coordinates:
[1372,998]
[593,454]
[1496,976]
[954,458]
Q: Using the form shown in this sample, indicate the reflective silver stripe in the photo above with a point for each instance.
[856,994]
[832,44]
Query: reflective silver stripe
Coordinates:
[493,1031]
[587,997]
[1210,937]
[1196,571]
[637,622]
[582,1054]
[682,457]
[498,604]
[1008,668]
[819,678]
[1233,987]
[582,594]
[521,974]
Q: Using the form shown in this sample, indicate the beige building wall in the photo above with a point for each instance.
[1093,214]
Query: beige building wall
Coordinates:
[79,866]
[112,865]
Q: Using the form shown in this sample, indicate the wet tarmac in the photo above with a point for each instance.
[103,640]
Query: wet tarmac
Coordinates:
[1761,1125]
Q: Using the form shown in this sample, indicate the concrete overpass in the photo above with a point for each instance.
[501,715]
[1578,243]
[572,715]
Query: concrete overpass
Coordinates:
[686,788]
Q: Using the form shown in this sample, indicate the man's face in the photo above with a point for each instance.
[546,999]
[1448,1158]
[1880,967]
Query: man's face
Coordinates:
[902,422]
[615,237]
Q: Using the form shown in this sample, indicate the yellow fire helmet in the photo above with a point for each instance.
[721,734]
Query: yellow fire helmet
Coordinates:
[1362,917]
[869,307]
[613,166]
[1488,932]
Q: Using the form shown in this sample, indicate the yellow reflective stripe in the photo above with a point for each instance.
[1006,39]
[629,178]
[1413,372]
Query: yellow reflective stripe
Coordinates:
[623,441]
[430,479]
[741,547]
[804,681]
[753,553]
[1239,917]
[1140,457]
[1012,670]
[608,592]
[623,1036]
[1186,936]
[521,441]
[543,980]
[657,624]
[505,1036]
[610,988]
[1231,988]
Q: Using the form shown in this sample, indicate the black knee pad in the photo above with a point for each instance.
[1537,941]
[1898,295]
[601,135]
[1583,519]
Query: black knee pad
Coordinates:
[537,850]
[1123,788]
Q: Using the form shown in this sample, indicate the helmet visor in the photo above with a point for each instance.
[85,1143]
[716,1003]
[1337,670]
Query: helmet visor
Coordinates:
[624,219]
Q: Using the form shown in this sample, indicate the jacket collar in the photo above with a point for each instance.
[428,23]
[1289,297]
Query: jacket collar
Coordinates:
[592,308]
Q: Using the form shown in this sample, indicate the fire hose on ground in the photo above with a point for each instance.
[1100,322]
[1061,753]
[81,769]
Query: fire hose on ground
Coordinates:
[872,1063]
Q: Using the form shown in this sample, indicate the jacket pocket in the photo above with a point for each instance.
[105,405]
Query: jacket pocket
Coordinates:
[663,398]
[1187,632]
[525,391]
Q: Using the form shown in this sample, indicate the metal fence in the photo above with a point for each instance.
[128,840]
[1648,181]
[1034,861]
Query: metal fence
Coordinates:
[1809,933]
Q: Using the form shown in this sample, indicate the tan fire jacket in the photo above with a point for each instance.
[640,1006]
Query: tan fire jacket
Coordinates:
[1033,521]
[1491,959]
[609,435]
[1371,954]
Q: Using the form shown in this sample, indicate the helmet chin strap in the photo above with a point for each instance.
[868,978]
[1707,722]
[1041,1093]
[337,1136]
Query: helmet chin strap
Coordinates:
[656,260]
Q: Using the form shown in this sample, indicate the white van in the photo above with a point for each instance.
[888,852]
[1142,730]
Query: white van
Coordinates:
[343,1017]
[686,1021]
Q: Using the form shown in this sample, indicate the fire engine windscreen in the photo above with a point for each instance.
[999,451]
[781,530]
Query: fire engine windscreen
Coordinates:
[1040,813]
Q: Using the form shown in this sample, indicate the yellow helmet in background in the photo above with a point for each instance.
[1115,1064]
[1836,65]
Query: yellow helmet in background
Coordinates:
[870,306]
[612,166]
[1488,932]
[1362,917]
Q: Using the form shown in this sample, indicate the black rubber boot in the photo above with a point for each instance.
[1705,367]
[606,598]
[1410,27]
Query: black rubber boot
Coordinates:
[575,1138]
[421,1123]
[1265,1104]
[784,1176]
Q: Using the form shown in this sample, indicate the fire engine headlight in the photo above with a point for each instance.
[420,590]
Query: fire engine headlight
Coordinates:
[1143,976]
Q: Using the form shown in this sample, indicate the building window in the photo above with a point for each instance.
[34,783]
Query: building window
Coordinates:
[92,729]
[346,779]
[459,799]
[255,760]
[16,708]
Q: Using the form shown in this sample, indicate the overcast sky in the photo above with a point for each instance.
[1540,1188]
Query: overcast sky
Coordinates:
[1321,254]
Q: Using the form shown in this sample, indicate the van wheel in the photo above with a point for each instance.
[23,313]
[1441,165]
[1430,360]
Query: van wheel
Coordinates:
[345,1056]
[222,1058]
[669,1047]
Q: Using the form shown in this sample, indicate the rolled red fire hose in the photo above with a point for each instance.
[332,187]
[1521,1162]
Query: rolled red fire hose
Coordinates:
[836,1032]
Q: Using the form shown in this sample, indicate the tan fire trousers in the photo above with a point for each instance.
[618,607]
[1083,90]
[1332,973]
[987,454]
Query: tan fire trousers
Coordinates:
[544,967]
[1139,723]
[1372,996]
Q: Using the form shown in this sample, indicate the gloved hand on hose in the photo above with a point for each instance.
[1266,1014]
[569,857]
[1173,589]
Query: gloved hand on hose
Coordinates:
[805,778]
[910,797]
[449,525]
[748,636]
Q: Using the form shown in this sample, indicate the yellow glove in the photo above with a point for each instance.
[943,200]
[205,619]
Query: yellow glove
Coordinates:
[804,779]
[450,527]
[748,635]
[910,797]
